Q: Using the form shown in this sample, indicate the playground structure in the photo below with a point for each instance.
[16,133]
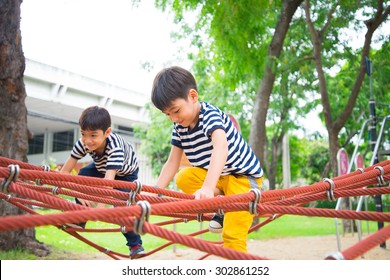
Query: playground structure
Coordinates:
[345,166]
[25,185]
[380,146]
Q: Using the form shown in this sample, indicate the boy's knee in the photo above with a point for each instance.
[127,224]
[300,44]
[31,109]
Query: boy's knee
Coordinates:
[190,179]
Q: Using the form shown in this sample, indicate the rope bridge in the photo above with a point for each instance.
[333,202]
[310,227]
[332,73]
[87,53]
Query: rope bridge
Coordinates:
[27,186]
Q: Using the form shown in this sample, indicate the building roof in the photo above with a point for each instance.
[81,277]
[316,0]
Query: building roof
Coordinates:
[56,98]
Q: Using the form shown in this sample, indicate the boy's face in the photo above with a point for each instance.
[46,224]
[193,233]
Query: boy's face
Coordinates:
[95,140]
[184,112]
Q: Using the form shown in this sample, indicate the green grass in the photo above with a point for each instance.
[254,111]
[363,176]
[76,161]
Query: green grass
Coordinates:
[285,226]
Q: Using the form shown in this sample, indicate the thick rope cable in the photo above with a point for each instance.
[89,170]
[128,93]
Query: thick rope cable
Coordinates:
[35,186]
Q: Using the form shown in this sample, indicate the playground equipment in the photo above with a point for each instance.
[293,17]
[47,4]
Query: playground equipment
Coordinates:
[376,142]
[25,185]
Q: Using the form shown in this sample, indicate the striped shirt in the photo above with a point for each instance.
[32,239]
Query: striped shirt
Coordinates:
[119,155]
[197,145]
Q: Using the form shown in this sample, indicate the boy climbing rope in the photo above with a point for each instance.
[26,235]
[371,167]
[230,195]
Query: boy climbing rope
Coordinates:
[113,159]
[222,162]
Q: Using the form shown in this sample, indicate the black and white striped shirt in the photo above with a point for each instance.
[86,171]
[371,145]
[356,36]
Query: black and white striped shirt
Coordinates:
[197,145]
[119,154]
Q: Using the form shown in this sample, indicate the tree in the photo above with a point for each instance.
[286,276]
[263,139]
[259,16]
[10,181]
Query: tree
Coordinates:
[322,33]
[258,136]
[232,38]
[13,118]
[243,57]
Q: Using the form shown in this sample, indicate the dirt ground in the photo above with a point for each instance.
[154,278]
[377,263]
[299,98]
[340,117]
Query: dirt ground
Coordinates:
[295,248]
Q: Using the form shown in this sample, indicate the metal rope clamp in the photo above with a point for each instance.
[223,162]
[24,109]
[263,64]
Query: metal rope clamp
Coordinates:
[133,194]
[253,204]
[123,229]
[330,191]
[380,178]
[55,190]
[145,213]
[360,169]
[46,168]
[13,176]
[335,256]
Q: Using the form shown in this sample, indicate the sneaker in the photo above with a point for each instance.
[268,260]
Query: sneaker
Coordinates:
[137,251]
[216,223]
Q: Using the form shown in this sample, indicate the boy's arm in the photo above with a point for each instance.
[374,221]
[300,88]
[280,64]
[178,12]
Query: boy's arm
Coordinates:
[68,165]
[217,163]
[110,174]
[67,168]
[170,167]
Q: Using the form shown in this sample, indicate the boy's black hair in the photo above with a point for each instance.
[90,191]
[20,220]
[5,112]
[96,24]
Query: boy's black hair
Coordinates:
[95,118]
[170,84]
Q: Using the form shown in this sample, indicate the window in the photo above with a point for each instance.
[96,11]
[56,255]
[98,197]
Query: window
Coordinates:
[63,141]
[126,130]
[35,145]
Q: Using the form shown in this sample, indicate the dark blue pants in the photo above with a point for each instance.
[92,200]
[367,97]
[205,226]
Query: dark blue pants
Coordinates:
[91,171]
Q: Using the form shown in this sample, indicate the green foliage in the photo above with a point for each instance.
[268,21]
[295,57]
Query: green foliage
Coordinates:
[318,157]
[231,40]
[342,83]
[156,138]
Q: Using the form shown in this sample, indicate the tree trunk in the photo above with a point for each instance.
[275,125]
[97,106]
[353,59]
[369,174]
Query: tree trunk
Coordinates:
[258,137]
[335,123]
[13,116]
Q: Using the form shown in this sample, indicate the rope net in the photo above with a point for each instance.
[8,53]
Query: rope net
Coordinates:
[28,186]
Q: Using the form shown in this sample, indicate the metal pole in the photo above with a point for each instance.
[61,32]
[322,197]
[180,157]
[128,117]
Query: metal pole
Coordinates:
[373,139]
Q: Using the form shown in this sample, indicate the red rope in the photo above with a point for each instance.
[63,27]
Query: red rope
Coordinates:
[178,206]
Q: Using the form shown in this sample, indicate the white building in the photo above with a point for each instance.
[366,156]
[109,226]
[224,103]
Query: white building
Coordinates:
[55,100]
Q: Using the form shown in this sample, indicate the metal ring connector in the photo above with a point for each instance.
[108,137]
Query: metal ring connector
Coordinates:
[138,187]
[55,190]
[46,168]
[13,176]
[330,191]
[380,178]
[133,194]
[360,169]
[253,204]
[145,213]
[335,256]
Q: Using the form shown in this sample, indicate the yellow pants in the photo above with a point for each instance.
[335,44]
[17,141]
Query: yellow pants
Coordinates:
[236,224]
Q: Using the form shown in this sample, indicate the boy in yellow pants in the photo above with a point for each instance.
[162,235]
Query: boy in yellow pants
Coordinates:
[222,162]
